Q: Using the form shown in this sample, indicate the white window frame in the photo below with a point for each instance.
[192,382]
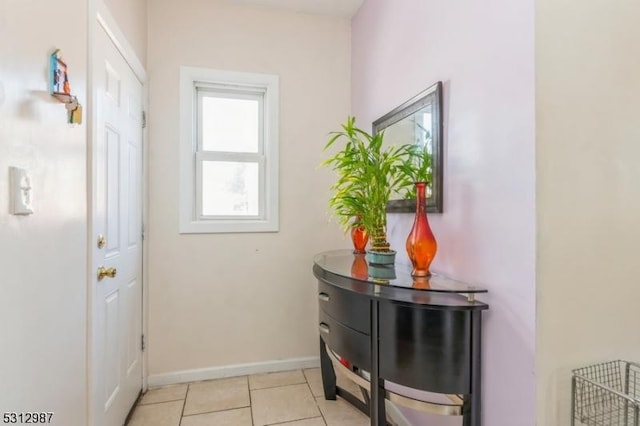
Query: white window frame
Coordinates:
[191,221]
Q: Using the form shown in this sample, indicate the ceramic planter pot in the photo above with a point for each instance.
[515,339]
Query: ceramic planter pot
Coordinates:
[381,257]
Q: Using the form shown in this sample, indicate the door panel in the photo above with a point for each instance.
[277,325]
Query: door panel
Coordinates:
[113,191]
[133,331]
[135,159]
[112,80]
[117,298]
[110,347]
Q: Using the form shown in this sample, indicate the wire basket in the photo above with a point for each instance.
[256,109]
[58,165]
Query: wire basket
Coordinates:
[606,394]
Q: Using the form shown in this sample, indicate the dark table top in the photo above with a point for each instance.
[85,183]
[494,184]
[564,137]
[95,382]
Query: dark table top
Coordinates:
[353,272]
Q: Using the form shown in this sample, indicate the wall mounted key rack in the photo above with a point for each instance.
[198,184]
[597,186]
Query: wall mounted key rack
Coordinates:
[60,87]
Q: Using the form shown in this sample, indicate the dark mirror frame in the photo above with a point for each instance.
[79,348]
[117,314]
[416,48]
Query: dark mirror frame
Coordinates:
[432,96]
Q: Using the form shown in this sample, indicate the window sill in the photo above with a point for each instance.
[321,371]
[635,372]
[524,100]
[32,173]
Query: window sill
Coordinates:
[228,226]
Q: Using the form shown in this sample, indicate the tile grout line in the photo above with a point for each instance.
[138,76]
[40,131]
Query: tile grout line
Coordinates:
[160,402]
[216,411]
[250,402]
[279,386]
[184,403]
[294,421]
[315,401]
[282,386]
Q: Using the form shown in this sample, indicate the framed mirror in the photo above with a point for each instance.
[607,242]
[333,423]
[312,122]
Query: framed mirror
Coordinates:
[418,121]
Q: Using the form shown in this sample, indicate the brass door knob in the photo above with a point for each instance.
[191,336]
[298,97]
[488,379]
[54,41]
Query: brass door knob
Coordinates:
[106,272]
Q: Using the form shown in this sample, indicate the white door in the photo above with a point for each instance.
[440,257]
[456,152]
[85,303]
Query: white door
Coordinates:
[116,357]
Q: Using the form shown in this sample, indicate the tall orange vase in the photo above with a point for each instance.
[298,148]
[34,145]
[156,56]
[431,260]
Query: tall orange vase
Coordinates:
[421,244]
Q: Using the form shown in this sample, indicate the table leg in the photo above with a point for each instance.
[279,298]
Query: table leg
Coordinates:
[328,374]
[378,414]
[472,405]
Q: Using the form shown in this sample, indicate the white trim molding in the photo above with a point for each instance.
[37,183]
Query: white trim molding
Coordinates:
[221,372]
[191,219]
[108,23]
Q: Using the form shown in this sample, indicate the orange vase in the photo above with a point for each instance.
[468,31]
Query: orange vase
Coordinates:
[421,244]
[359,236]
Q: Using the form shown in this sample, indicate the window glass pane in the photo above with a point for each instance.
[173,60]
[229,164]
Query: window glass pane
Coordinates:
[230,188]
[230,124]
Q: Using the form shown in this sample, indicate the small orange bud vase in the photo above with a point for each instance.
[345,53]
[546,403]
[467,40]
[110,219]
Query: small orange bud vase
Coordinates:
[359,236]
[421,244]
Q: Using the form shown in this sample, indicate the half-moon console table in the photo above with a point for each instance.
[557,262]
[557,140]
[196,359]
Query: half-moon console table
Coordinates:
[378,324]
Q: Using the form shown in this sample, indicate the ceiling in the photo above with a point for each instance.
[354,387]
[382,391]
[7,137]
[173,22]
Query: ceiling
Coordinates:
[346,8]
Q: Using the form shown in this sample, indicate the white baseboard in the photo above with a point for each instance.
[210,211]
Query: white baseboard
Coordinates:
[232,371]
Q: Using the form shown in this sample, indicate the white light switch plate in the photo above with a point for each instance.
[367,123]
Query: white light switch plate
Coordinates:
[20,181]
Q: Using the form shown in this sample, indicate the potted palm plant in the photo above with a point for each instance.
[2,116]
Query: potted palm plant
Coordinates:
[368,173]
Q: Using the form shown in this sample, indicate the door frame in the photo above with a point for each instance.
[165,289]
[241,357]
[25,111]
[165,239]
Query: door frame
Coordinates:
[100,19]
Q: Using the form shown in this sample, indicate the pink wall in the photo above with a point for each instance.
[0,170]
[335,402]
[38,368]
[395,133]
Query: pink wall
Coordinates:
[484,54]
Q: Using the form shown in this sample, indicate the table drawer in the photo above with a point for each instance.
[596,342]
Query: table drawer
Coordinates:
[348,343]
[351,309]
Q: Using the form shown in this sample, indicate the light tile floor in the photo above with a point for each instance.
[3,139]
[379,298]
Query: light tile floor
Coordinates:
[290,398]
